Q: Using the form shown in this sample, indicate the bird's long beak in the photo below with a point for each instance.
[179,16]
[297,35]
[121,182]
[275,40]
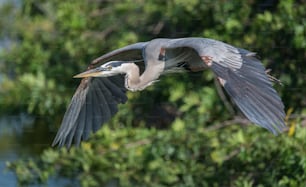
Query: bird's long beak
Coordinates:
[90,73]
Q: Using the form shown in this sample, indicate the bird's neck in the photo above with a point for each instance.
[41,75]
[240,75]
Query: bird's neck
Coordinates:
[136,82]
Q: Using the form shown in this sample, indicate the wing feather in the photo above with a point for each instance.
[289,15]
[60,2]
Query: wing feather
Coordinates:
[97,117]
[96,99]
[257,100]
[108,106]
[222,53]
[245,80]
[130,52]
[93,104]
[103,101]
[70,117]
[89,111]
[80,123]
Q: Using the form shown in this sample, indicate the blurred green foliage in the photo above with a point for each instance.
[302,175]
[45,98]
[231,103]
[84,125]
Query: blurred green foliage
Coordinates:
[230,156]
[52,40]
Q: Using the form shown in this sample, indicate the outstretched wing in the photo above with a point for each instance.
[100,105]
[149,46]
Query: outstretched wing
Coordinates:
[96,99]
[243,77]
[93,104]
[130,52]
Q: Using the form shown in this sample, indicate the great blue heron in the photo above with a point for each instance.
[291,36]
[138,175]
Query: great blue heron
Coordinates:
[103,86]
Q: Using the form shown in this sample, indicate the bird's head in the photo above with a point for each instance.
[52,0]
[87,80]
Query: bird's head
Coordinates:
[105,70]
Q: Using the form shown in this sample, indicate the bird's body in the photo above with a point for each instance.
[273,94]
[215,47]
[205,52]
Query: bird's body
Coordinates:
[137,66]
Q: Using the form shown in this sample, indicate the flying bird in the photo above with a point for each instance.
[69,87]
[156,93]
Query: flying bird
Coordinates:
[137,66]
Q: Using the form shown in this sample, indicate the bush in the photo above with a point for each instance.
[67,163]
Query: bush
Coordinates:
[223,155]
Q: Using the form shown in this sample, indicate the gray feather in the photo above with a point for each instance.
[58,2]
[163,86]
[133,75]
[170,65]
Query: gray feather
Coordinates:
[89,109]
[131,52]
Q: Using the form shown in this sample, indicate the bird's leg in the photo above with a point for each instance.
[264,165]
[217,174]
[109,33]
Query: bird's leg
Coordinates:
[207,60]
